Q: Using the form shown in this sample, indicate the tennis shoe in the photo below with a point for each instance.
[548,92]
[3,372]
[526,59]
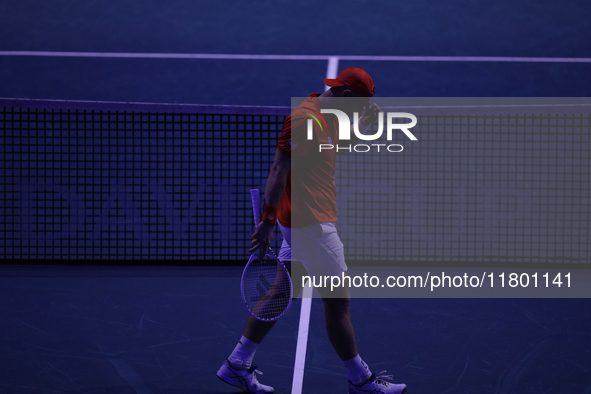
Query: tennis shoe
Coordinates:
[377,384]
[245,379]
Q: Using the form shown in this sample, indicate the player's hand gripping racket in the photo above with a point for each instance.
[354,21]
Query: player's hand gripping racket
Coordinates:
[266,285]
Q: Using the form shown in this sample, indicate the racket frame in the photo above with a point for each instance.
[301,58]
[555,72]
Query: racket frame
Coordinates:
[255,198]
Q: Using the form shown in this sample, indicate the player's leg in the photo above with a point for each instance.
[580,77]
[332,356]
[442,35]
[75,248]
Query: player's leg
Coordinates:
[256,330]
[328,258]
[337,314]
[337,305]
[239,370]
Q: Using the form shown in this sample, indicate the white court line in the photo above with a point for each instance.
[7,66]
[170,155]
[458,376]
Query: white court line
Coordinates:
[139,55]
[302,343]
[512,59]
[332,70]
[222,56]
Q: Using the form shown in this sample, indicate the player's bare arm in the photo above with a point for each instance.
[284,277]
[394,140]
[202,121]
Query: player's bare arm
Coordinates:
[261,238]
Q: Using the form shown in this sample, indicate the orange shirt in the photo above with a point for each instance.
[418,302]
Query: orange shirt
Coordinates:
[310,193]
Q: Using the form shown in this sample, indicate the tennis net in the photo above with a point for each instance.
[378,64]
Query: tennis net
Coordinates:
[155,182]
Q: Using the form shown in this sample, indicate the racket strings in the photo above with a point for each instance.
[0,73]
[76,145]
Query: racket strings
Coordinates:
[267,288]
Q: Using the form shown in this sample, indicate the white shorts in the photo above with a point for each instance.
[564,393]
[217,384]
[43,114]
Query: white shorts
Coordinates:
[317,246]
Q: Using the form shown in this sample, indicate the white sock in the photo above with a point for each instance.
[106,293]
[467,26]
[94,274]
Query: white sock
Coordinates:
[241,357]
[357,370]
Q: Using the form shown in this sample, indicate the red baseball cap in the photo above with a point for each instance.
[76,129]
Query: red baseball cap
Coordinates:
[356,78]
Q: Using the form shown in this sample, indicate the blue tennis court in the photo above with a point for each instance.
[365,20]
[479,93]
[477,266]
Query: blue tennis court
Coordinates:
[167,330]
[122,261]
[538,49]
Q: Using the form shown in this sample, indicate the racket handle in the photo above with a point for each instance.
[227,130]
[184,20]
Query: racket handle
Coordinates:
[256,209]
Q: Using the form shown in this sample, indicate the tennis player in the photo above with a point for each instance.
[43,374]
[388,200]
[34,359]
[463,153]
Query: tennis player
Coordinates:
[310,221]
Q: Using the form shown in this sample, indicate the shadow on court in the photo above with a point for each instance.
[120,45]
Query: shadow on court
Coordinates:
[168,329]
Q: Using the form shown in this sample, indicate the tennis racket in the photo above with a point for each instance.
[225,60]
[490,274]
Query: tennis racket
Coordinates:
[266,286]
